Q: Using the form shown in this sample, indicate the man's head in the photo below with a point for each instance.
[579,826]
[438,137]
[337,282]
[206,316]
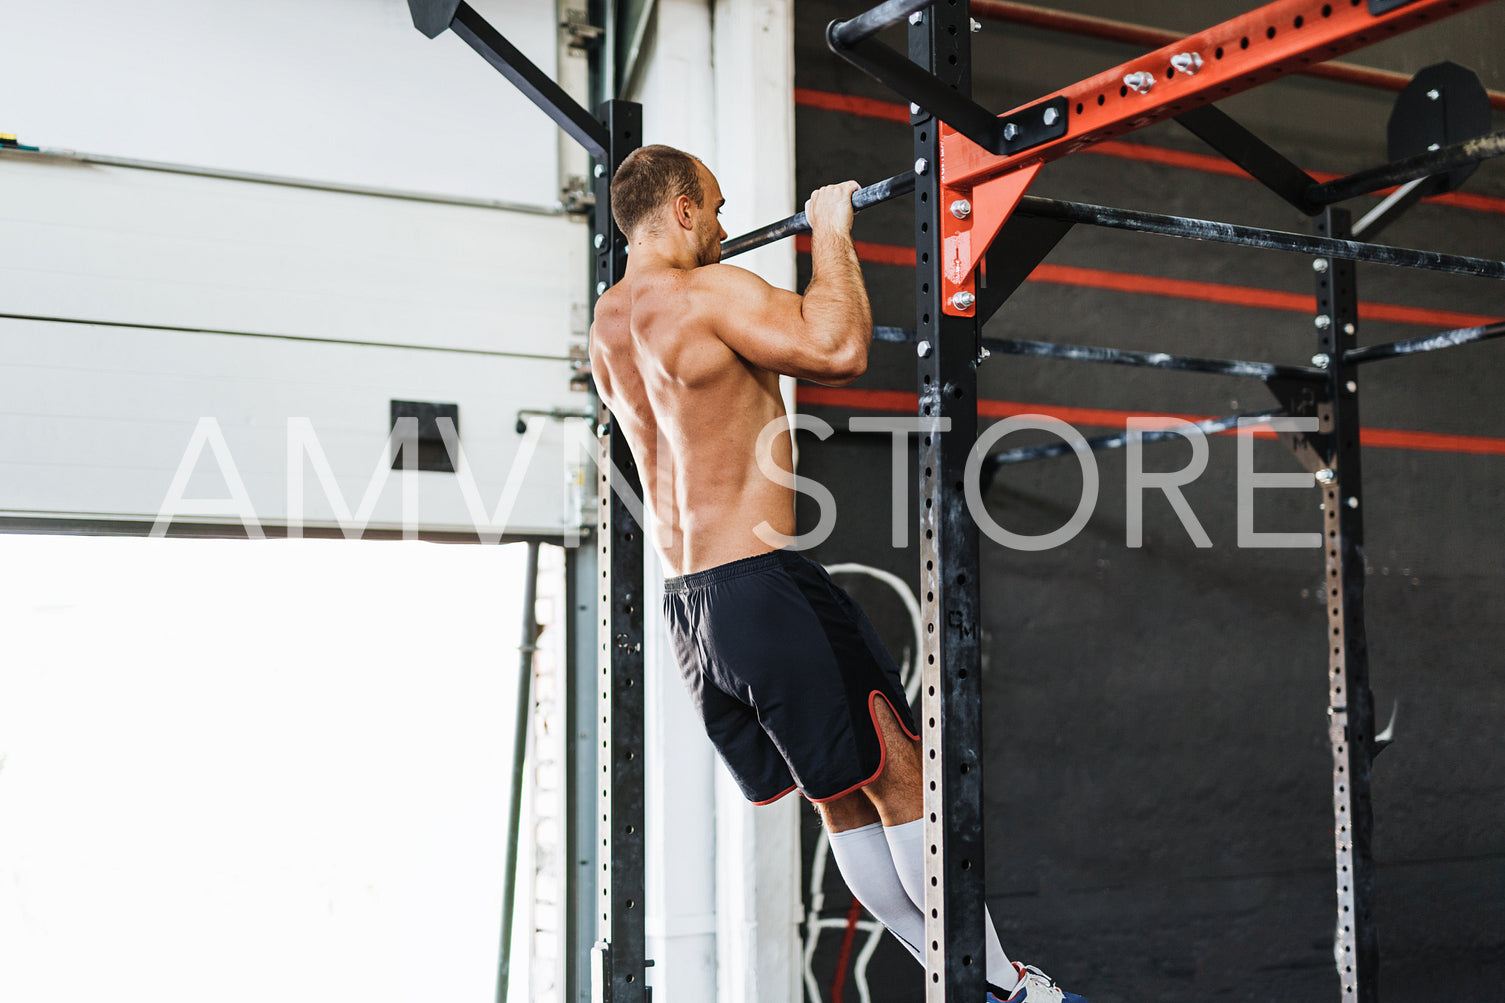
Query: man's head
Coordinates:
[663,194]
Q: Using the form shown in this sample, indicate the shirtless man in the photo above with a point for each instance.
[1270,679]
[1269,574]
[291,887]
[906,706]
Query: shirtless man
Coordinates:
[794,686]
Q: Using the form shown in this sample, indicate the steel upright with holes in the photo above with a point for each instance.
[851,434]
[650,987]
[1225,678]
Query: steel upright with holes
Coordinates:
[940,40]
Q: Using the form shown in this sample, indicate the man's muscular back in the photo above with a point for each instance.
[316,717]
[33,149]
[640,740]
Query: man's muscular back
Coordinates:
[687,353]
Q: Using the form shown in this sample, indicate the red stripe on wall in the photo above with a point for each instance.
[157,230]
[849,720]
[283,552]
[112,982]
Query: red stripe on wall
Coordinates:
[1206,163]
[901,402]
[1187,289]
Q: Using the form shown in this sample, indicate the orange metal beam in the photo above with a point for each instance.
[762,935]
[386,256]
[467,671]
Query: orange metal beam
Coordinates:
[1281,38]
[1088,26]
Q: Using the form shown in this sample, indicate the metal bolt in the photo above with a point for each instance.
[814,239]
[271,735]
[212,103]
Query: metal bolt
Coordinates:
[961,208]
[924,349]
[1050,116]
[983,355]
[600,170]
[1010,130]
[1326,476]
[1320,265]
[914,109]
[963,300]
[1140,81]
[1353,501]
[921,166]
[1187,62]
[1323,322]
[1321,360]
[1351,387]
[600,239]
[600,288]
[918,17]
[1348,329]
[1434,94]
[1433,147]
[976,25]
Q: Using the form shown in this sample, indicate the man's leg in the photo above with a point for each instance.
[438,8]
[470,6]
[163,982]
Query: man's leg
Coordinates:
[862,855]
[898,796]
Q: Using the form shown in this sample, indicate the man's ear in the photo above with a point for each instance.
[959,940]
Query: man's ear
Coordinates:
[682,206]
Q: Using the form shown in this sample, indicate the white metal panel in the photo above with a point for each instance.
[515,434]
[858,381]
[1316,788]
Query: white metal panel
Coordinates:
[120,245]
[96,421]
[338,90]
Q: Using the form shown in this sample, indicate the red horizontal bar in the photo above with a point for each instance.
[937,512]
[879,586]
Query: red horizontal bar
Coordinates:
[1205,162]
[1189,289]
[902,402]
[1153,38]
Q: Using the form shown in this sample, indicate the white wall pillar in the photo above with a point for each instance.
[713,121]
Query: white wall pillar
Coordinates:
[758,858]
[676,89]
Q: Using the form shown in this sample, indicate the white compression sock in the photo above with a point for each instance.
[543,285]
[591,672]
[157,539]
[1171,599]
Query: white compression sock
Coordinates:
[907,844]
[867,866]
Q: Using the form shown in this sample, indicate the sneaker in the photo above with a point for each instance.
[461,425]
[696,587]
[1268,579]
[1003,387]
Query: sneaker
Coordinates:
[1036,987]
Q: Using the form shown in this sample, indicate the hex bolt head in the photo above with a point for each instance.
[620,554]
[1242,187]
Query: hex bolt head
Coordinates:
[963,300]
[914,109]
[1351,387]
[1010,130]
[921,166]
[961,208]
[976,25]
[1323,322]
[1353,501]
[1326,476]
[1321,360]
[918,17]
[983,355]
[600,288]
[1434,94]
[923,349]
[600,240]
[1187,62]
[600,170]
[1051,116]
[1433,147]
[1319,265]
[1349,328]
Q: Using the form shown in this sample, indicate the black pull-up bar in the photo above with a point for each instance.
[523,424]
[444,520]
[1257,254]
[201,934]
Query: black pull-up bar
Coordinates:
[863,198]
[1423,165]
[853,30]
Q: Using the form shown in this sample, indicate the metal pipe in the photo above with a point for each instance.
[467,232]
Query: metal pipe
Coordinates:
[1280,240]
[1118,440]
[1149,360]
[1429,343]
[863,198]
[1422,165]
[853,30]
[1103,28]
[527,647]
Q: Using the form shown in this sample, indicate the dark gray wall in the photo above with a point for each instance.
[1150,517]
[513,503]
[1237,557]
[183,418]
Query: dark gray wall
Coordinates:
[1158,771]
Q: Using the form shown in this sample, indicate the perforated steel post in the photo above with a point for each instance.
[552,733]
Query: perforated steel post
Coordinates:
[940,41]
[1350,703]
[620,966]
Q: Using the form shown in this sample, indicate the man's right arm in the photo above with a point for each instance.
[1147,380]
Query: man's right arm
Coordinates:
[822,336]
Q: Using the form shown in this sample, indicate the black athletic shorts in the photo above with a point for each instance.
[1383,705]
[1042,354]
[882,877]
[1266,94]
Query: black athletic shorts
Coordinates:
[786,671]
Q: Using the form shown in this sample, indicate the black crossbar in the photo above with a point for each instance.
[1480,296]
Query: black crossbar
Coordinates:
[1119,440]
[535,85]
[1248,236]
[867,24]
[1149,360]
[863,198]
[1422,165]
[1429,343]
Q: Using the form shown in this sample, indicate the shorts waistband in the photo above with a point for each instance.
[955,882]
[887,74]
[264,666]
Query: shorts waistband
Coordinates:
[726,572]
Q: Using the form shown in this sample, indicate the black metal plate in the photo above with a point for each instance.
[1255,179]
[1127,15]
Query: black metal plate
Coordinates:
[1420,122]
[1034,125]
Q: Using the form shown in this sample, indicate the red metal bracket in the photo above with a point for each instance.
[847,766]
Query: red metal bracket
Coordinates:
[1278,39]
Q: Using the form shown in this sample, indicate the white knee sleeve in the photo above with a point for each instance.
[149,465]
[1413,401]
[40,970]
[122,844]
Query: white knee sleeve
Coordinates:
[866,865]
[907,844]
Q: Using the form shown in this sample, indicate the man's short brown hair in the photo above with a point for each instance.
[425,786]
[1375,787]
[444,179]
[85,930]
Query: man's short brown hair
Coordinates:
[650,178]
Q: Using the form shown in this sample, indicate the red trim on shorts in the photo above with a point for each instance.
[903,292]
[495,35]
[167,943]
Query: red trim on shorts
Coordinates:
[882,747]
[759,804]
